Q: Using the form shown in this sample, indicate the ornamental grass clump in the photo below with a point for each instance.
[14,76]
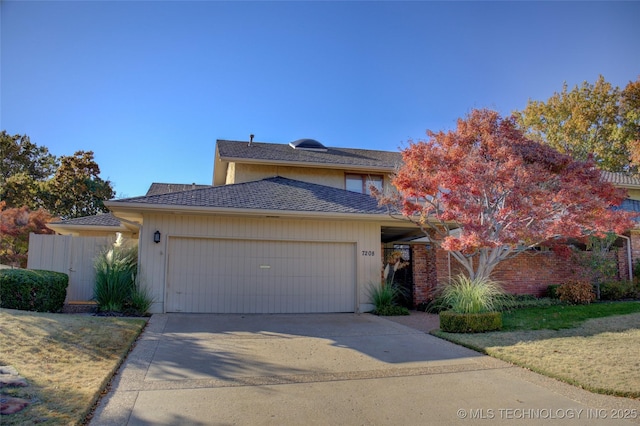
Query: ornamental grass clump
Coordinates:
[384,297]
[466,296]
[471,305]
[117,288]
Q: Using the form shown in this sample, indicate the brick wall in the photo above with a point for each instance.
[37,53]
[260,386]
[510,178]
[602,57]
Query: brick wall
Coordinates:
[424,272]
[527,273]
[533,272]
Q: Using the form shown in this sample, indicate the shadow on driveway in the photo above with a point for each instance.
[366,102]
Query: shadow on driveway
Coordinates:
[233,347]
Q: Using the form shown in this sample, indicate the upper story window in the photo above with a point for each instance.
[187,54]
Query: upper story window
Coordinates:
[361,183]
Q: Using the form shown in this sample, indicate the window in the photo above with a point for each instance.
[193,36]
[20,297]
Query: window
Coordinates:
[361,183]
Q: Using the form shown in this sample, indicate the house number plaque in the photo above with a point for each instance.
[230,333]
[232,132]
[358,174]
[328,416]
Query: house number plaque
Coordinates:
[368,253]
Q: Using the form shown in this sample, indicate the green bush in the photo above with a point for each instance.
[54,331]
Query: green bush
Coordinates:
[33,290]
[466,296]
[552,291]
[616,290]
[576,292]
[384,297]
[454,322]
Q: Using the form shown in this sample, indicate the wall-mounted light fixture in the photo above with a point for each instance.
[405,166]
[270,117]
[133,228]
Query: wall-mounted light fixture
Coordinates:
[156,237]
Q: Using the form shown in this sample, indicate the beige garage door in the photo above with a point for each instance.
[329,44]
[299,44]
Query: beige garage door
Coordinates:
[241,276]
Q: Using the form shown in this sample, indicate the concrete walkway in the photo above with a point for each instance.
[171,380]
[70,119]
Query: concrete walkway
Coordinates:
[332,369]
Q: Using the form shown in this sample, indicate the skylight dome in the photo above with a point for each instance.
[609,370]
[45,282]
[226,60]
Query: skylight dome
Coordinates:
[308,145]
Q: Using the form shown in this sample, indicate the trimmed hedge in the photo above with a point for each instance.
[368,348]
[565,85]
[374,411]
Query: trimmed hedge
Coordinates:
[453,322]
[617,290]
[33,290]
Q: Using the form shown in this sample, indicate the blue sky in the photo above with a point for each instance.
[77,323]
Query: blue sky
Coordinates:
[149,86]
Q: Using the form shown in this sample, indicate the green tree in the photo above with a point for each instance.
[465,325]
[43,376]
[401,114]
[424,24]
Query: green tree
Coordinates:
[23,167]
[67,187]
[597,120]
[76,189]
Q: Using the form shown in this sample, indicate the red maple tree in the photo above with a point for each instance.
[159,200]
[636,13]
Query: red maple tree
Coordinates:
[486,193]
[15,226]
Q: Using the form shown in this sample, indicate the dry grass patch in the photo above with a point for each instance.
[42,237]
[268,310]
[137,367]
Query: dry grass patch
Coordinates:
[67,360]
[600,355]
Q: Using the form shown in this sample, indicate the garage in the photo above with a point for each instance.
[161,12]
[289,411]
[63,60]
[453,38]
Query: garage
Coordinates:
[210,275]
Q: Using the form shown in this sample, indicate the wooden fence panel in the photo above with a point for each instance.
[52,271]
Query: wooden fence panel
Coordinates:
[71,255]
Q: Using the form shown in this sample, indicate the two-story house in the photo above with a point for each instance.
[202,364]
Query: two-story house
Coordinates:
[284,228]
[290,228]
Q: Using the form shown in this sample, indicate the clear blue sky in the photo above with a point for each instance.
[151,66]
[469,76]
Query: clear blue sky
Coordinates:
[150,86]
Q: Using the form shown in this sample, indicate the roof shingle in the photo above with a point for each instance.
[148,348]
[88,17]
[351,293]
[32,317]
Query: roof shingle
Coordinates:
[106,219]
[275,193]
[284,153]
[165,188]
[620,179]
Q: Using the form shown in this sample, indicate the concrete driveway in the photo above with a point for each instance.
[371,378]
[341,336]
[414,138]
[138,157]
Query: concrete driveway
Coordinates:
[331,369]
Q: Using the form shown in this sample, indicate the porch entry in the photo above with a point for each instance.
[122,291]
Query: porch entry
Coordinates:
[398,270]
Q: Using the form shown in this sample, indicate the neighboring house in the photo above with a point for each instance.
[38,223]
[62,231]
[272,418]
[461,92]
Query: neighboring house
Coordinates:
[100,225]
[291,228]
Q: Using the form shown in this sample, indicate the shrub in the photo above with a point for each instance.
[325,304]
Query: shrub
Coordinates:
[616,290]
[576,292]
[552,291]
[466,296]
[453,322]
[141,299]
[33,290]
[384,297]
[117,288]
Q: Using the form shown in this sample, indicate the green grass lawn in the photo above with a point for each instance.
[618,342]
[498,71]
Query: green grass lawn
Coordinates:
[593,346]
[558,317]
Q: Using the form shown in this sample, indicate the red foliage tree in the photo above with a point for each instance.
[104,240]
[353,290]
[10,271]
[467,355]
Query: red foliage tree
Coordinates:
[15,226]
[486,193]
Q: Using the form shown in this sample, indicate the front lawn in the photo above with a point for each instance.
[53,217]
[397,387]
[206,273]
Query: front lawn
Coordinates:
[561,316]
[66,359]
[592,346]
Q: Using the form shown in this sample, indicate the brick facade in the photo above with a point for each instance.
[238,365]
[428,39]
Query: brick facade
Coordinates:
[425,275]
[527,273]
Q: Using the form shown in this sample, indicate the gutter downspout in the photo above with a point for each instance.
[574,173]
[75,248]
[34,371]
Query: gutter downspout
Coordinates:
[629,262]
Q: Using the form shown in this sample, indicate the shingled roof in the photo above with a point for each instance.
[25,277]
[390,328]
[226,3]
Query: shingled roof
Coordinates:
[276,193]
[620,179]
[165,188]
[106,219]
[273,152]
